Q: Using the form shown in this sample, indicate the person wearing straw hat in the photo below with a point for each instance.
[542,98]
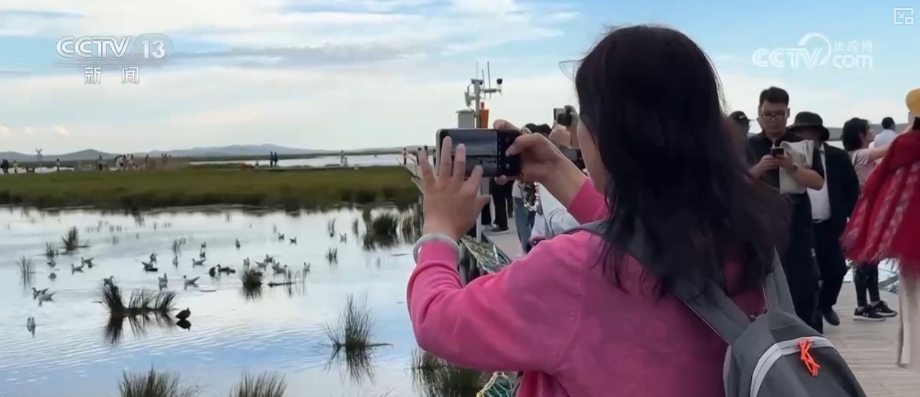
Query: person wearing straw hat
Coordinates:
[886,225]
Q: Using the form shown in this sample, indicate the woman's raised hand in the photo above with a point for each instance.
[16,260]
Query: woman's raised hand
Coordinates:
[539,157]
[450,202]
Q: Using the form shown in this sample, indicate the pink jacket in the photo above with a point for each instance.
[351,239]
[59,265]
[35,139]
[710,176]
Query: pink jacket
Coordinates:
[554,316]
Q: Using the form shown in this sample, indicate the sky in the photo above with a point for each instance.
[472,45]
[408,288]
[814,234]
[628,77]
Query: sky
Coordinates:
[348,74]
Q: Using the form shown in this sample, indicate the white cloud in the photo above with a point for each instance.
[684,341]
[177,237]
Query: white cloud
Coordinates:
[376,99]
[289,23]
[398,104]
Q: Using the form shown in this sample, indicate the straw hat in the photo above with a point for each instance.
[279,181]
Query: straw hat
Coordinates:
[913,102]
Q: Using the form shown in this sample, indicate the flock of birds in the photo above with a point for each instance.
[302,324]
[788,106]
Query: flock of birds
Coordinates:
[150,266]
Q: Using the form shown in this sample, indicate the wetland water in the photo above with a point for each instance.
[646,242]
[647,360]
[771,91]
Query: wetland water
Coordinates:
[281,331]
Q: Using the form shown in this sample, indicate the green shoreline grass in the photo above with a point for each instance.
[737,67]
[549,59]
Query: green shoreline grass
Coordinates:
[138,190]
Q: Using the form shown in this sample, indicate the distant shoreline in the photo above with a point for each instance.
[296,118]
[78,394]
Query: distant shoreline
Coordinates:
[49,161]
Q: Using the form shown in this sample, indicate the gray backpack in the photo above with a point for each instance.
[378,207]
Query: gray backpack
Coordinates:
[765,354]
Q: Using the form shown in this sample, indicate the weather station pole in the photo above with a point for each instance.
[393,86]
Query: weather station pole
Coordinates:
[477,116]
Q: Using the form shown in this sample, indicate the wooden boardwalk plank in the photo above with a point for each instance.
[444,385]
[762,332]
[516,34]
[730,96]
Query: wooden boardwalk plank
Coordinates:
[870,349]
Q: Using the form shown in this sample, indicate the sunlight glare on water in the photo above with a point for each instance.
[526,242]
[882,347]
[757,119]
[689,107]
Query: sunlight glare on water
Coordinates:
[281,331]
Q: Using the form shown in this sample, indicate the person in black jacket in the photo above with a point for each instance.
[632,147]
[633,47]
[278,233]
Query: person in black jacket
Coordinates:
[831,206]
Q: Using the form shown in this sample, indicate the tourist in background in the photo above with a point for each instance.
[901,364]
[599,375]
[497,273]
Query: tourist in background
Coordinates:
[886,225]
[578,314]
[830,207]
[888,134]
[741,120]
[501,194]
[801,270]
[857,137]
[552,218]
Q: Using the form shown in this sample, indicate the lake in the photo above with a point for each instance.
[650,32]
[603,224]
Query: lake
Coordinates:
[282,331]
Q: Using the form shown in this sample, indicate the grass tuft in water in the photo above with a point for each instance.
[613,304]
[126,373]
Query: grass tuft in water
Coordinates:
[410,225]
[263,385]
[26,270]
[438,378]
[384,224]
[355,330]
[141,302]
[177,246]
[153,384]
[381,230]
[251,278]
[71,240]
[50,251]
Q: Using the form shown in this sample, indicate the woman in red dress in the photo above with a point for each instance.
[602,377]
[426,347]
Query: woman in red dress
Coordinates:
[886,225]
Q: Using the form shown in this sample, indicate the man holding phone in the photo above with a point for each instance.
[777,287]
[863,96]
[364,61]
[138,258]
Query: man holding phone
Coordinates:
[774,163]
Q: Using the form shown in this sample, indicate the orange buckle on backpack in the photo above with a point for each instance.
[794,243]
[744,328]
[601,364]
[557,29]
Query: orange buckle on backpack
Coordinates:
[810,364]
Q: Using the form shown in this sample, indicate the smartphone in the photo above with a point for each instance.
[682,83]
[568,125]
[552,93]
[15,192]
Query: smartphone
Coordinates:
[559,115]
[574,155]
[777,152]
[485,147]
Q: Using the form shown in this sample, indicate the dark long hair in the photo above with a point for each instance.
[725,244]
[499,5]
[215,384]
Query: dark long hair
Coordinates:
[853,132]
[652,102]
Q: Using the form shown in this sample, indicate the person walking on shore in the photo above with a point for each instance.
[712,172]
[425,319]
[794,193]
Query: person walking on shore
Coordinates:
[857,137]
[775,164]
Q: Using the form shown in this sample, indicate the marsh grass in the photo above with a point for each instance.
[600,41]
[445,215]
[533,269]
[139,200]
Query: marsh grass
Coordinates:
[71,240]
[251,278]
[252,284]
[262,385]
[50,251]
[410,225]
[177,246]
[26,270]
[355,330]
[435,377]
[154,384]
[381,230]
[289,189]
[141,302]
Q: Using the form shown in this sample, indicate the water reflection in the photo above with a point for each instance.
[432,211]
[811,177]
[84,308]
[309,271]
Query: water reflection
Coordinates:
[357,365]
[433,377]
[140,326]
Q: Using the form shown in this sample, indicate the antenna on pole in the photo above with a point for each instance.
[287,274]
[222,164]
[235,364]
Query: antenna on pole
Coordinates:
[480,88]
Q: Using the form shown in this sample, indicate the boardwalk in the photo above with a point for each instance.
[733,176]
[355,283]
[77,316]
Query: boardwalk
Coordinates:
[868,347]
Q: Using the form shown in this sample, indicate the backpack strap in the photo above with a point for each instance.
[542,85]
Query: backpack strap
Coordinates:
[715,308]
[776,289]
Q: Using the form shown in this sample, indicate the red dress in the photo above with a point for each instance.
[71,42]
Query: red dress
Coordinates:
[886,221]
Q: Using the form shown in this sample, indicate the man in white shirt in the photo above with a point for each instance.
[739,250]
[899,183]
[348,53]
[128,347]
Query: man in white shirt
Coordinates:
[887,135]
[830,207]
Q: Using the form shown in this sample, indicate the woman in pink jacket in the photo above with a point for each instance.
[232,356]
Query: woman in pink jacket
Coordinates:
[578,315]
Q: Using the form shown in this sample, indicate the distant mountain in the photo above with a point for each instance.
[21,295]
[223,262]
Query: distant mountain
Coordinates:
[88,154]
[238,150]
[197,152]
